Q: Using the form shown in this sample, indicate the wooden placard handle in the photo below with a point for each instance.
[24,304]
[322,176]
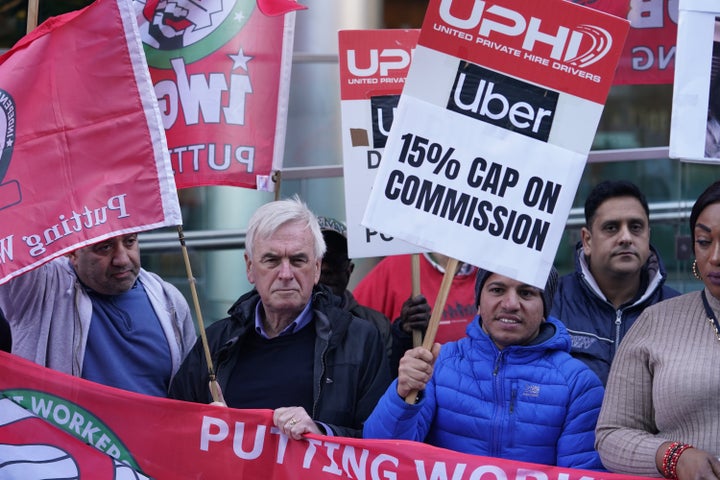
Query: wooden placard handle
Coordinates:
[415,259]
[436,315]
[32,15]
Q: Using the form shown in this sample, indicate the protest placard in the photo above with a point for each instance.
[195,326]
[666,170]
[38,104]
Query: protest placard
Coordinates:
[373,67]
[695,123]
[649,53]
[493,129]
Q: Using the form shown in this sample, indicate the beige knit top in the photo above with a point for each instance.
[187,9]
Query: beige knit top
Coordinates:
[664,385]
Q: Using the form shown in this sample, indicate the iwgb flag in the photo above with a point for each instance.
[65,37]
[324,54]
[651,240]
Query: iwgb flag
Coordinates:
[83,154]
[49,419]
[221,71]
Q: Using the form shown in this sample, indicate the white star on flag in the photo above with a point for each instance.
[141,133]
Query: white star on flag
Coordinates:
[240,60]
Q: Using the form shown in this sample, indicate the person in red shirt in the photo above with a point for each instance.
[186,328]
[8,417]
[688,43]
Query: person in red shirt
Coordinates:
[388,289]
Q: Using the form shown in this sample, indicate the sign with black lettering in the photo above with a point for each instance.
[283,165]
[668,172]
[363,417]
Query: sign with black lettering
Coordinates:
[373,66]
[695,124]
[492,130]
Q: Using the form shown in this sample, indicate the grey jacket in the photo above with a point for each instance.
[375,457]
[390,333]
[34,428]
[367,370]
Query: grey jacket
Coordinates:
[49,313]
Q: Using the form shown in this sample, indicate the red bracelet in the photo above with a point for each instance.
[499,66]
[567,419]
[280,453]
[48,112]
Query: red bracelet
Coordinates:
[666,458]
[671,457]
[676,457]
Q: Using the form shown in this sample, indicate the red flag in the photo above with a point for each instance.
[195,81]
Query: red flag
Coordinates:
[83,152]
[221,72]
[619,8]
[279,7]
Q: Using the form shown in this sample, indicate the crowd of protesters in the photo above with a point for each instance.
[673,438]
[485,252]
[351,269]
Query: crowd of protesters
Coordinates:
[531,365]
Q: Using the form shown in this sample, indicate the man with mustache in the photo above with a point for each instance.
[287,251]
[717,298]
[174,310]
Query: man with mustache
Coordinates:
[97,314]
[617,274]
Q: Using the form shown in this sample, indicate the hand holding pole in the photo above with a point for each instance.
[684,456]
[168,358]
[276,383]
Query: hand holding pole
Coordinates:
[437,314]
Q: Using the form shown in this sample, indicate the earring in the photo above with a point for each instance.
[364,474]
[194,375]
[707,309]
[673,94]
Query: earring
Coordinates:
[695,270]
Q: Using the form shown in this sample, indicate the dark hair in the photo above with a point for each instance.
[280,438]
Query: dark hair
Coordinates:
[337,246]
[708,197]
[612,189]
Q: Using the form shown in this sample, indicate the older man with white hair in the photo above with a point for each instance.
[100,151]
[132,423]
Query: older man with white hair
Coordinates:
[287,344]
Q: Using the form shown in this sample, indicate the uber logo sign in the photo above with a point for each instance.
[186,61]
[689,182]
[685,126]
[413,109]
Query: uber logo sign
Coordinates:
[383,111]
[503,101]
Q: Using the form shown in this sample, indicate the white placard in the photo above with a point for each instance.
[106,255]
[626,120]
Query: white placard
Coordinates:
[492,131]
[694,128]
[373,66]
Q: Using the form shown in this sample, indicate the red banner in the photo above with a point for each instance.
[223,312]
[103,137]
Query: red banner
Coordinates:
[168,439]
[31,447]
[82,149]
[221,72]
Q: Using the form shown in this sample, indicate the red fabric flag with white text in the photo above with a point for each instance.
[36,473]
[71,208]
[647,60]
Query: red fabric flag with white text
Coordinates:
[83,154]
[221,71]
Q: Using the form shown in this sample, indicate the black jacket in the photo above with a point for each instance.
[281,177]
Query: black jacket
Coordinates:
[350,369]
[595,326]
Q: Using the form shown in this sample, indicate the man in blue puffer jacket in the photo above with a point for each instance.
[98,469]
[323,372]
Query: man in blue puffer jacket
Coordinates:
[510,389]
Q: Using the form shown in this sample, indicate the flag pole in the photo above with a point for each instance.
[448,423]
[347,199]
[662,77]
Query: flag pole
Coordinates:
[417,336]
[432,328]
[277,179]
[32,15]
[214,386]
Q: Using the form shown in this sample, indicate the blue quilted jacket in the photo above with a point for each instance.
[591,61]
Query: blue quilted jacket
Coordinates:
[532,403]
